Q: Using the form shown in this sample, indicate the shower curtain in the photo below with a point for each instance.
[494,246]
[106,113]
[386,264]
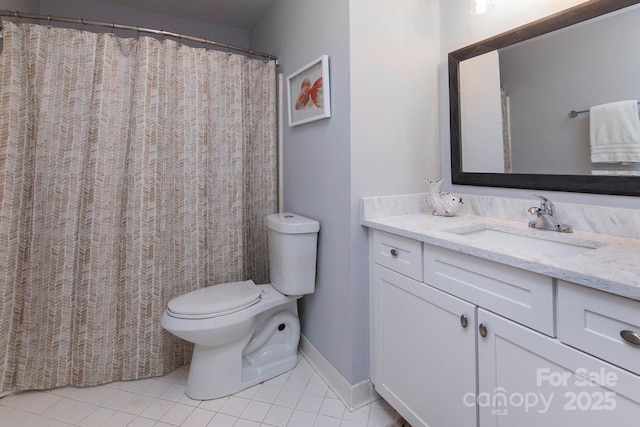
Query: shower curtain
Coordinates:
[131,171]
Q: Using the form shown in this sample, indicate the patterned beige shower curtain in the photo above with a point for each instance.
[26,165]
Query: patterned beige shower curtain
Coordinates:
[131,171]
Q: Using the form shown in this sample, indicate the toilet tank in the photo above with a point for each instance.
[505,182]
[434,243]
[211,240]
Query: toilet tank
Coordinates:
[293,246]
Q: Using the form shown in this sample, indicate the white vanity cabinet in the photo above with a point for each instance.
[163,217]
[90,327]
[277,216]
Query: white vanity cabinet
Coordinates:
[423,340]
[473,343]
[526,379]
[423,350]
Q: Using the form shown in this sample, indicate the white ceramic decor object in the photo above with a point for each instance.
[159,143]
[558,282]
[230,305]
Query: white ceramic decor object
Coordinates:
[443,203]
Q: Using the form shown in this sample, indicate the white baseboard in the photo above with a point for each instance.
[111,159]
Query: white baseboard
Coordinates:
[353,396]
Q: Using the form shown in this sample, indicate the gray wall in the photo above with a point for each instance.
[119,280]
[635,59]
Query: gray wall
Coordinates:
[109,12]
[29,6]
[380,140]
[316,164]
[569,70]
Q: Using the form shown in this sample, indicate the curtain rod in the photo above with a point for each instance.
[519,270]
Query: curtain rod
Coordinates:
[179,36]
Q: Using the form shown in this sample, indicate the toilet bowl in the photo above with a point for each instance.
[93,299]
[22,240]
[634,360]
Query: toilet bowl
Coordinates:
[245,333]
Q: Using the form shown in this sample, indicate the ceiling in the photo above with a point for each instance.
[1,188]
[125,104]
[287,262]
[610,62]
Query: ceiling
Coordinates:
[229,13]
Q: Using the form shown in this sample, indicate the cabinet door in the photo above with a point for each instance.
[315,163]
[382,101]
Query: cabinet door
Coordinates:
[527,379]
[423,356]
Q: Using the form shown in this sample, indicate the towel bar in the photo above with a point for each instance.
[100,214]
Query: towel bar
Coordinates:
[573,113]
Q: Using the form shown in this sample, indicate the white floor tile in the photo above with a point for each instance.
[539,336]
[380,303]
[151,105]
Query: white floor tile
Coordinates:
[16,418]
[304,369]
[157,409]
[137,405]
[177,414]
[61,391]
[78,413]
[31,401]
[156,388]
[310,403]
[102,395]
[296,383]
[222,420]
[138,385]
[198,418]
[332,407]
[326,421]
[186,400]
[119,400]
[298,398]
[213,405]
[248,393]
[255,411]
[278,416]
[278,381]
[380,417]
[234,406]
[175,375]
[246,423]
[174,392]
[302,419]
[267,394]
[316,386]
[120,419]
[381,403]
[142,422]
[358,416]
[83,394]
[288,398]
[97,418]
[58,410]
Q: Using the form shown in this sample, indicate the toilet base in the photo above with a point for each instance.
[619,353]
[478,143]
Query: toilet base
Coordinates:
[198,390]
[269,349]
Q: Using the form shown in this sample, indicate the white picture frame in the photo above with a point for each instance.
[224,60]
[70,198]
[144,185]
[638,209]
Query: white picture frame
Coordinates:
[309,94]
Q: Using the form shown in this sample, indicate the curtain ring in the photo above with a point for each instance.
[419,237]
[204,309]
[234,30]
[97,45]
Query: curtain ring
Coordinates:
[81,24]
[113,27]
[49,20]
[138,31]
[17,16]
[180,38]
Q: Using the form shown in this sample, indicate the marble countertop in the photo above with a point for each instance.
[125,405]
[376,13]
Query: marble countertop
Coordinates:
[613,266]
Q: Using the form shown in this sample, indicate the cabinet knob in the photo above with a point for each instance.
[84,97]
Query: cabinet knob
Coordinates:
[483,330]
[464,321]
[631,337]
[394,253]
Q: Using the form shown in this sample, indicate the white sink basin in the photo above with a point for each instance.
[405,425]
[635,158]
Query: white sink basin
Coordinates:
[528,241]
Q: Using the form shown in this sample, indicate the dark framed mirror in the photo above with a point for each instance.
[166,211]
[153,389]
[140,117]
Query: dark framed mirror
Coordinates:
[520,101]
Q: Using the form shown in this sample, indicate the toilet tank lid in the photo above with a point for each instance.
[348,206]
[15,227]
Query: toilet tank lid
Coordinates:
[290,223]
[216,299]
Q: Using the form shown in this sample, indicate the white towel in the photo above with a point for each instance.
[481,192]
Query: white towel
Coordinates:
[615,132]
[602,172]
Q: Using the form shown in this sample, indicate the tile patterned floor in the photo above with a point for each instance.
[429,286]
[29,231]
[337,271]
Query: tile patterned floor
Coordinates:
[298,398]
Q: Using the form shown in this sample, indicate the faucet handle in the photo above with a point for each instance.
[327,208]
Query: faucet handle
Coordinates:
[545,204]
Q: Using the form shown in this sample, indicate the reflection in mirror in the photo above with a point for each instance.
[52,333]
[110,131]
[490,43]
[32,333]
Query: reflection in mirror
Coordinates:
[510,109]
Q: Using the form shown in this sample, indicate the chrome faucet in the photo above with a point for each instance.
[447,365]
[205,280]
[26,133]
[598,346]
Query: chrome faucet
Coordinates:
[545,219]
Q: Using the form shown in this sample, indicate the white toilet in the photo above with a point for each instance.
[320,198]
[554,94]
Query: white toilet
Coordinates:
[245,333]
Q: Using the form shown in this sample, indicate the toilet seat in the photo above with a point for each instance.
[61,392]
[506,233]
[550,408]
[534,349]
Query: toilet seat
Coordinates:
[215,301]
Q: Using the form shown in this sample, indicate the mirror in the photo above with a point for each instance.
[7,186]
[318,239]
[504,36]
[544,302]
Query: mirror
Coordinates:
[511,98]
